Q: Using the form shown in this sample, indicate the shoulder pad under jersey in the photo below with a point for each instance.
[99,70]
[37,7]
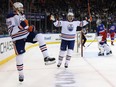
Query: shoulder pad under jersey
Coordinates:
[11,15]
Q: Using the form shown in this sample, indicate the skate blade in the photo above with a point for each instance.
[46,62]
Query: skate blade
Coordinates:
[50,63]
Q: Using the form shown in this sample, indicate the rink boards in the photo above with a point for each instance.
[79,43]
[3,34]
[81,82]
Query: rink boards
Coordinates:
[7,51]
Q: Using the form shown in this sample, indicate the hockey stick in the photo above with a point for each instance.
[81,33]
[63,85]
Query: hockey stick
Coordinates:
[82,27]
[81,45]
[89,11]
[90,43]
[82,36]
[13,6]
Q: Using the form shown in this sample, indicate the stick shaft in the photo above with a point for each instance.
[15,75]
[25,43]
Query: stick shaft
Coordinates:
[89,8]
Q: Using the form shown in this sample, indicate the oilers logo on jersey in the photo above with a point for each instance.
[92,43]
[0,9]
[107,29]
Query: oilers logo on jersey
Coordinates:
[70,27]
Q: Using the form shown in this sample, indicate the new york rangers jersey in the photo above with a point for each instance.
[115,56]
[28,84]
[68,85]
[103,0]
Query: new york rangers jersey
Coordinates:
[101,31]
[13,22]
[112,29]
[68,31]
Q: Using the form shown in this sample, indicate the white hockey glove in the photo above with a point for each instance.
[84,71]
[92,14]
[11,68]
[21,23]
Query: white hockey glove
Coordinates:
[52,18]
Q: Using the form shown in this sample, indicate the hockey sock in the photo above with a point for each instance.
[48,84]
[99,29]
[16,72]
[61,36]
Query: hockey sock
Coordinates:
[42,45]
[60,59]
[101,48]
[44,51]
[67,59]
[112,42]
[61,55]
[19,64]
[107,48]
[69,54]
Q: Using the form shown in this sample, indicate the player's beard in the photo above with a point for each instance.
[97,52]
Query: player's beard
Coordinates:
[70,19]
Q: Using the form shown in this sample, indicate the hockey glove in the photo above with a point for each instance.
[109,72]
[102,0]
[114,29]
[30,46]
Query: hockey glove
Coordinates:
[31,28]
[24,24]
[52,18]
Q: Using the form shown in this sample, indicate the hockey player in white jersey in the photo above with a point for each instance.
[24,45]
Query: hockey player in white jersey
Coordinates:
[68,34]
[21,32]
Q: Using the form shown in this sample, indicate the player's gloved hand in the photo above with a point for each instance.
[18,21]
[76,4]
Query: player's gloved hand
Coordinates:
[24,24]
[52,18]
[31,28]
[22,17]
[89,19]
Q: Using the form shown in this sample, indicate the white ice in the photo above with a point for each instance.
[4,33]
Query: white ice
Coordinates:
[89,71]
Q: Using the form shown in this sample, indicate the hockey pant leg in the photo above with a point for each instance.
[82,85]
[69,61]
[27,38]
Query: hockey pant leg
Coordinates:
[107,48]
[101,48]
[84,39]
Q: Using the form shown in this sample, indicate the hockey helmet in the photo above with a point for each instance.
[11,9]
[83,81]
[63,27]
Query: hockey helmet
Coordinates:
[70,16]
[19,7]
[98,21]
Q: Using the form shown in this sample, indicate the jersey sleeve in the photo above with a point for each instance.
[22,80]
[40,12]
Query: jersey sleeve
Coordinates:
[82,23]
[11,25]
[58,23]
[78,23]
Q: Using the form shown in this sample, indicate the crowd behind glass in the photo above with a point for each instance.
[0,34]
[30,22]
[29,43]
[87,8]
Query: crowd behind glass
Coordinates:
[38,13]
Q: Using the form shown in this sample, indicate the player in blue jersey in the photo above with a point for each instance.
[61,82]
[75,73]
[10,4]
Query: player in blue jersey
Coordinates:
[112,31]
[21,32]
[102,33]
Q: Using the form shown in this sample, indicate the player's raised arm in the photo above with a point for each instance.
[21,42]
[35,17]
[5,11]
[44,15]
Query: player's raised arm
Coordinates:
[21,32]
[57,22]
[16,23]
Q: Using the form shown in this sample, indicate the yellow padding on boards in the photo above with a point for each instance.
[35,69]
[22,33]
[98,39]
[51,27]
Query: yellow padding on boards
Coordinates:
[27,48]
[7,59]
[33,45]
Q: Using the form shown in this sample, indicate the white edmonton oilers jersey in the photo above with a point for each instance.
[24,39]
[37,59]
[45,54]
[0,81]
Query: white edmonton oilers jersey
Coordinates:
[68,31]
[13,22]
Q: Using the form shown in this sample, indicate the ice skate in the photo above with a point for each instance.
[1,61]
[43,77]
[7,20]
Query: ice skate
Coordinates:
[21,78]
[66,65]
[59,64]
[100,54]
[49,61]
[110,52]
